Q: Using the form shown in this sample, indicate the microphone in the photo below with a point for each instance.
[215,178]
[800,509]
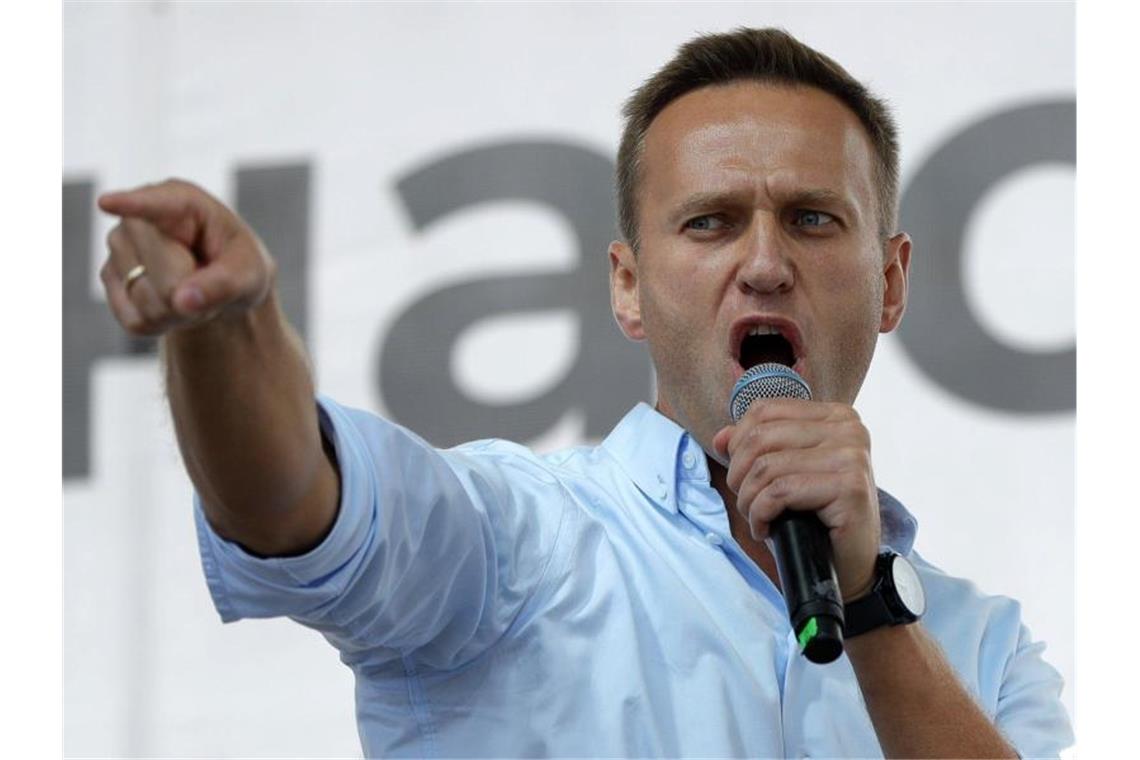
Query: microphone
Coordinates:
[801,545]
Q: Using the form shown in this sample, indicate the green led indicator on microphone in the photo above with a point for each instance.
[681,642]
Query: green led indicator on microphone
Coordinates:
[808,632]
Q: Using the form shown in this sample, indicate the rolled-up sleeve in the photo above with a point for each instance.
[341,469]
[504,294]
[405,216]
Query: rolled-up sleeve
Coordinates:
[989,646]
[1030,713]
[431,552]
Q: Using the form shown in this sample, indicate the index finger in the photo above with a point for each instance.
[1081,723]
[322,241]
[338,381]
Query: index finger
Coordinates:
[720,442]
[770,409]
[176,207]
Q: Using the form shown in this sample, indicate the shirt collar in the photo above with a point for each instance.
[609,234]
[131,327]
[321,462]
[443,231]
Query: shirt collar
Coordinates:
[649,447]
[646,444]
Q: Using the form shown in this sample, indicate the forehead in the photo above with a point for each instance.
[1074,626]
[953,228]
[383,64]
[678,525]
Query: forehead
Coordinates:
[760,139]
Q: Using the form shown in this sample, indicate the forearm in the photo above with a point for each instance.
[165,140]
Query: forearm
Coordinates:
[916,702]
[241,395]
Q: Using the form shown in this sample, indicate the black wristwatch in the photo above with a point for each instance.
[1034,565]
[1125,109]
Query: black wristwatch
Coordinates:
[896,598]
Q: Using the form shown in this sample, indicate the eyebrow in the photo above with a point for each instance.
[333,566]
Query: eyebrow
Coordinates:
[821,197]
[703,201]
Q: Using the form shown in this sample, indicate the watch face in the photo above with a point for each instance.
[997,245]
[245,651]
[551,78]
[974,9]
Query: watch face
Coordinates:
[908,586]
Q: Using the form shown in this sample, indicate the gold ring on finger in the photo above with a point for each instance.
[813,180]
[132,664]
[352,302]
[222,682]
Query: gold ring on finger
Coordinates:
[138,271]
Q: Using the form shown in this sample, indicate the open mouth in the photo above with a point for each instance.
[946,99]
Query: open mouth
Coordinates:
[761,348]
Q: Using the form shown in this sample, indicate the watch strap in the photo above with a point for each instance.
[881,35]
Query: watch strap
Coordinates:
[881,606]
[866,613]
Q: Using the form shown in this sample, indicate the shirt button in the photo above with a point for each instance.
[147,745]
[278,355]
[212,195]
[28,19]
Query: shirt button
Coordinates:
[689,460]
[713,538]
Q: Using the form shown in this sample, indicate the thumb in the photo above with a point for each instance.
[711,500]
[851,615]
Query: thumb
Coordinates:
[211,288]
[189,300]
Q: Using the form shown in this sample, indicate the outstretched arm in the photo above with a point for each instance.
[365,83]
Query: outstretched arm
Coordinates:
[240,388]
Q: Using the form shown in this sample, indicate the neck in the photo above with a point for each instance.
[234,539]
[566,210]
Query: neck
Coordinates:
[741,531]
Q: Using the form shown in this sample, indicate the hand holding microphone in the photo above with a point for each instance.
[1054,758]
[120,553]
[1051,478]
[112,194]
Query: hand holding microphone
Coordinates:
[801,472]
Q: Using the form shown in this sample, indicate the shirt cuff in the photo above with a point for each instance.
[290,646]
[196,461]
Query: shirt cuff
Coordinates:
[242,585]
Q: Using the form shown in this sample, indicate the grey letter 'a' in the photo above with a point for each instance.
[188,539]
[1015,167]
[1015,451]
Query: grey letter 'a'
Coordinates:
[609,375]
[939,332]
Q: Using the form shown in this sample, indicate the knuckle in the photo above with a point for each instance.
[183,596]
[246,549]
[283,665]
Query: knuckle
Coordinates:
[147,308]
[756,438]
[761,465]
[115,237]
[147,303]
[778,489]
[134,324]
[853,458]
[761,409]
[758,516]
[756,412]
[166,278]
[743,506]
[269,271]
[856,483]
[249,282]
[187,189]
[734,478]
[841,413]
[163,291]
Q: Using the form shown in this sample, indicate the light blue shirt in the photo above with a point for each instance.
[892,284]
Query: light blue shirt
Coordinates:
[589,603]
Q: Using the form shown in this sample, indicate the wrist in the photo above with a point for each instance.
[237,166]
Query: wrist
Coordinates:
[226,325]
[884,643]
[895,598]
[861,590]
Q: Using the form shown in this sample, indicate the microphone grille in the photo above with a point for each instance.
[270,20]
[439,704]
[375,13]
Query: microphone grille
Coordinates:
[768,380]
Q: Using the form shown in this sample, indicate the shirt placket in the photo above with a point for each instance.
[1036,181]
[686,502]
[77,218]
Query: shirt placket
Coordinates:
[702,506]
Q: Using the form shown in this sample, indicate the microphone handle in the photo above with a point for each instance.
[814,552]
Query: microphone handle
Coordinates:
[811,587]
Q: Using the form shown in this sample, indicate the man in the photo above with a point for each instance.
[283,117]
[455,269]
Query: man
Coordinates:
[618,599]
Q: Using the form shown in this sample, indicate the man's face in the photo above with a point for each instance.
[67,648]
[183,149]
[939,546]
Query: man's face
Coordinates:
[757,214]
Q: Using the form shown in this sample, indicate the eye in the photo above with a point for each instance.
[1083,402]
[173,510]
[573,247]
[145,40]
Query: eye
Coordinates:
[706,223]
[810,218]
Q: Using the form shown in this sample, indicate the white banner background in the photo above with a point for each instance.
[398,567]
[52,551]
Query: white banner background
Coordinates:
[364,93]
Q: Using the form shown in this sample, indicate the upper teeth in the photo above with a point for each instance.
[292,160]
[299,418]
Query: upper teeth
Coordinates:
[763,330]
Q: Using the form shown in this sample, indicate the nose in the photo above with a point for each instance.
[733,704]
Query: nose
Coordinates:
[765,267]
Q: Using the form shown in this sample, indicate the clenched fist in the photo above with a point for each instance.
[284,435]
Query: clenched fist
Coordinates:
[179,257]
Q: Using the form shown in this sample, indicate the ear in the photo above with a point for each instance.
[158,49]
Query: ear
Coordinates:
[625,298]
[896,273]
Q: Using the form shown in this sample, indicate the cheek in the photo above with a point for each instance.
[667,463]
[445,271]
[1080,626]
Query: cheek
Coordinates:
[681,296]
[857,287]
[672,336]
[659,317]
[676,305]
